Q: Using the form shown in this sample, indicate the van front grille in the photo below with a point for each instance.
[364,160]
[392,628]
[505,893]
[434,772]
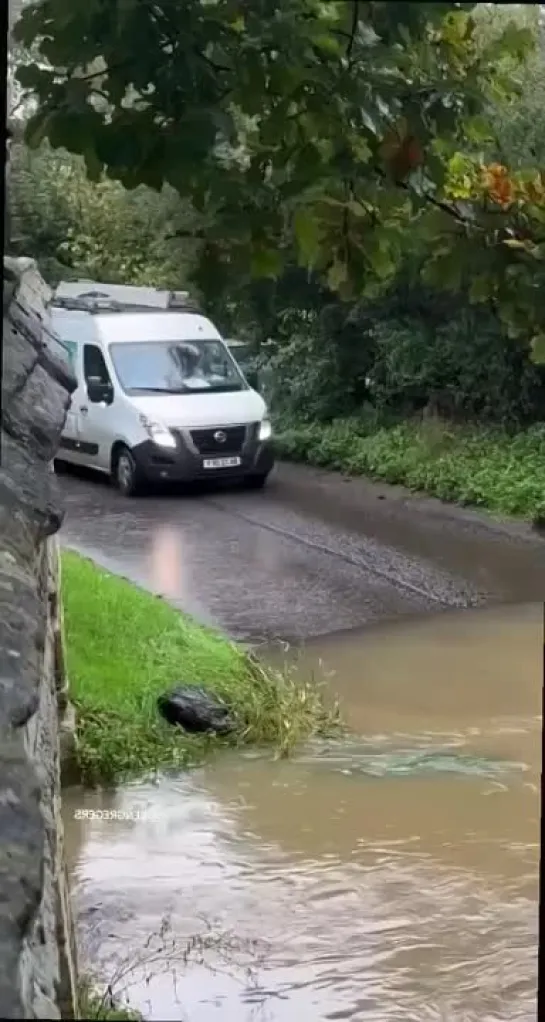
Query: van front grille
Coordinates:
[221,440]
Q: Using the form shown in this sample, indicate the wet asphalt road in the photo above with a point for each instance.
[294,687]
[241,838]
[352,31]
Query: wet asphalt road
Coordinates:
[310,555]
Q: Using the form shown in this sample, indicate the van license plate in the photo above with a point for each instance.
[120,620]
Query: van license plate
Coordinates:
[221,462]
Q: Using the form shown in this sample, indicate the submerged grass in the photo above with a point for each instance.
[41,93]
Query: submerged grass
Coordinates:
[162,954]
[125,647]
[487,468]
[103,1007]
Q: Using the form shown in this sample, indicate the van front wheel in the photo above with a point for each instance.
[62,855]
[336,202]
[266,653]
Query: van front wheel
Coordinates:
[125,473]
[256,482]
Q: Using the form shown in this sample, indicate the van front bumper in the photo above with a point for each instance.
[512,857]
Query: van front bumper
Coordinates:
[183,464]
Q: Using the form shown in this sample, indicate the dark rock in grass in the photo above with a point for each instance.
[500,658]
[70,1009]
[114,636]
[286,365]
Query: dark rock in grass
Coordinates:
[195,710]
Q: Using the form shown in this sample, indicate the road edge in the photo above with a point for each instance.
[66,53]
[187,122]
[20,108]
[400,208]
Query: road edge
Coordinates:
[402,502]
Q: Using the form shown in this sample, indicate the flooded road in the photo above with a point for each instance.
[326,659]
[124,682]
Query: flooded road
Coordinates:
[312,555]
[389,877]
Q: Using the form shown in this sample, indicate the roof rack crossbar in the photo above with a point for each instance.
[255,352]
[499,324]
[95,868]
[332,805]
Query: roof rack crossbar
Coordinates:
[97,305]
[86,303]
[95,302]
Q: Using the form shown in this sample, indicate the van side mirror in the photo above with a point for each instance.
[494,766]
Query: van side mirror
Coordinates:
[252,377]
[99,392]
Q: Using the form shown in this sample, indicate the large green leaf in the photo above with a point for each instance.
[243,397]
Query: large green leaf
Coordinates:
[266,263]
[307,235]
[538,349]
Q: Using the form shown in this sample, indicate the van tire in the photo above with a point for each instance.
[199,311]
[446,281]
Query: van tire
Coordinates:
[125,475]
[256,482]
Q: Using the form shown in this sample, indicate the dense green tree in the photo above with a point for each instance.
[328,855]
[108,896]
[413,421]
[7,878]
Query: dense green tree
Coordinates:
[332,151]
[517,127]
[495,248]
[297,128]
[77,228]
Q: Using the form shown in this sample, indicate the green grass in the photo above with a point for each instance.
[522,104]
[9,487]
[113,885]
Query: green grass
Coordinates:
[484,468]
[104,1008]
[125,647]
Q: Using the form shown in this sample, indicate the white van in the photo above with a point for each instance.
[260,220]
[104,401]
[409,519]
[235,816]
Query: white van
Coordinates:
[159,396]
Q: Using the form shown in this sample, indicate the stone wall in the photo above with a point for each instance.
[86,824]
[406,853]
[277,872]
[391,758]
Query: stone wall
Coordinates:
[37,946]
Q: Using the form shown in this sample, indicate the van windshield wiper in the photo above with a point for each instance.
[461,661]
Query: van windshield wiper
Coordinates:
[210,389]
[160,390]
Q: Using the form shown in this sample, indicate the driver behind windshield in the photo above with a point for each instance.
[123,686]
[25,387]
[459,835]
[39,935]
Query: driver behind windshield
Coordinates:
[189,359]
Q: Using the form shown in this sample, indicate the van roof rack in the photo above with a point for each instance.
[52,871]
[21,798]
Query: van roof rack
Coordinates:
[180,300]
[96,303]
[85,303]
[91,296]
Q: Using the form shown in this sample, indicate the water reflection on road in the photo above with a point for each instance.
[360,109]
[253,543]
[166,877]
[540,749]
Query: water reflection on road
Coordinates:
[392,878]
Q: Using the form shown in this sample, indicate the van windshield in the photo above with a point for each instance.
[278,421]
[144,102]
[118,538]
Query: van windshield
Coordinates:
[175,367]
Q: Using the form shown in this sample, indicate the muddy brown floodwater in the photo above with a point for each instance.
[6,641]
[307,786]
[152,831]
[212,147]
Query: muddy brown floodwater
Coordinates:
[391,876]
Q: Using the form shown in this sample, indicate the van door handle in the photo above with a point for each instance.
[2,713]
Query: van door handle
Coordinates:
[84,409]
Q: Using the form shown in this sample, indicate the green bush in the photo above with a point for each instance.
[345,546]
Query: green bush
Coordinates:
[464,367]
[457,362]
[320,371]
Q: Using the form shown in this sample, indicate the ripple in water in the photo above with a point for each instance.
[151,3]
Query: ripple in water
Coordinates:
[349,758]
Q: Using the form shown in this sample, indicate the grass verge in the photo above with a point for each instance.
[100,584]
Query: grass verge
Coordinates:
[125,647]
[485,468]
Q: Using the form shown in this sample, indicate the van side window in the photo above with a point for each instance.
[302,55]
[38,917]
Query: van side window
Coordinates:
[94,366]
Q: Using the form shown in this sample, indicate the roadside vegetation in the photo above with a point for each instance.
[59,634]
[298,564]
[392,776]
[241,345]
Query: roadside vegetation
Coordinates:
[125,647]
[376,236]
[417,389]
[485,468]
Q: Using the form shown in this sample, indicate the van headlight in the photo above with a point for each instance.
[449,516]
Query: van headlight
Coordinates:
[265,430]
[160,434]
